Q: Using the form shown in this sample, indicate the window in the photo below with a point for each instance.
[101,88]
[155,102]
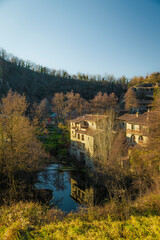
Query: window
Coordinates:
[141,138]
[132,127]
[132,138]
[78,136]
[85,123]
[83,137]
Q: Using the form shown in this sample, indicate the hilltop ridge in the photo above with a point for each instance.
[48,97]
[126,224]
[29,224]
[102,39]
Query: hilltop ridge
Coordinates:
[37,86]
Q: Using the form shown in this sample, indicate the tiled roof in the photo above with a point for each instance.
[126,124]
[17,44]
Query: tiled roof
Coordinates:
[141,119]
[88,117]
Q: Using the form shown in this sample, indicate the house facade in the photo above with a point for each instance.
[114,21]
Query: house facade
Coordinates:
[136,128]
[83,133]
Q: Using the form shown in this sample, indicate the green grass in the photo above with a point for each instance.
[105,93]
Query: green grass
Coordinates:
[57,140]
[77,228]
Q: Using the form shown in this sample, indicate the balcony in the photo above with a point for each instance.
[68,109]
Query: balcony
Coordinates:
[139,132]
[143,132]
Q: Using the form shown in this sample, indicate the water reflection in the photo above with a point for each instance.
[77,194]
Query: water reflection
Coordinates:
[59,182]
[70,189]
[86,191]
[84,196]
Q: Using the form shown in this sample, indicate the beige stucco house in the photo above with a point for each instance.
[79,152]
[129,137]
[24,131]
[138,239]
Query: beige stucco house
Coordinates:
[136,128]
[83,132]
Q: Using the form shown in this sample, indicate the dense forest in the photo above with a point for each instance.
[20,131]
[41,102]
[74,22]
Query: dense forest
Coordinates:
[38,82]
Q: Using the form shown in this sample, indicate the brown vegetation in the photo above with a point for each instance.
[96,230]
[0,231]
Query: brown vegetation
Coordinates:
[130,99]
[19,148]
[70,105]
[153,78]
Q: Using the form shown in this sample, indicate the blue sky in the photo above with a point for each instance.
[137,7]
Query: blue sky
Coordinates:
[119,37]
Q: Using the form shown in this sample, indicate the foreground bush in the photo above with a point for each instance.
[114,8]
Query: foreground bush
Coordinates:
[32,221]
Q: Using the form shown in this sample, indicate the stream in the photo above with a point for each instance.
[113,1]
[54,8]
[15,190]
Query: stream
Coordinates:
[70,189]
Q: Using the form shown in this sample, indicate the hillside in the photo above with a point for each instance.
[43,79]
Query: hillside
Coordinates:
[149,80]
[37,85]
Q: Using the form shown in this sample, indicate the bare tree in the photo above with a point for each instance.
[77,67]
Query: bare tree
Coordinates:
[39,115]
[111,147]
[153,118]
[97,103]
[102,102]
[19,148]
[104,139]
[130,99]
[58,104]
[112,100]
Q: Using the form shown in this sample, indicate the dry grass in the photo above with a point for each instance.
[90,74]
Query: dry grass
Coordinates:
[140,220]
